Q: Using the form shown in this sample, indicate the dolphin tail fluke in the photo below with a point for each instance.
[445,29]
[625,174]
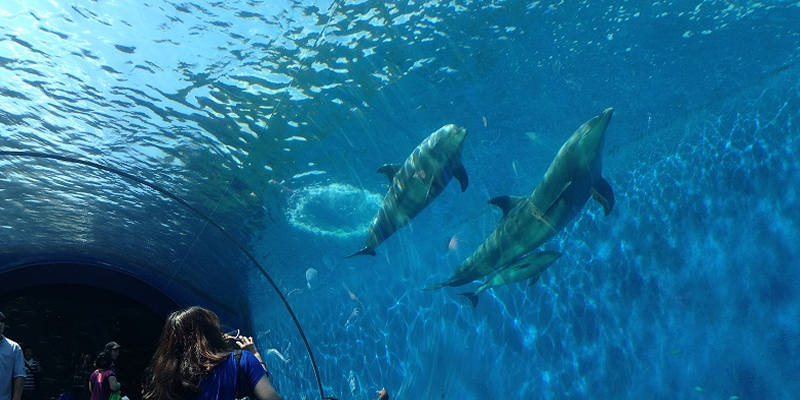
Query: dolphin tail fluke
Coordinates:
[366,251]
[473,298]
[603,194]
[461,175]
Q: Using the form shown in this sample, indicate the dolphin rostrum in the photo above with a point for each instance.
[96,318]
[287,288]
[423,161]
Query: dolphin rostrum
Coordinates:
[530,267]
[416,183]
[574,175]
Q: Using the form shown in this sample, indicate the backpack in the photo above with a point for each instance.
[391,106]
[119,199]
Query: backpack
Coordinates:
[243,390]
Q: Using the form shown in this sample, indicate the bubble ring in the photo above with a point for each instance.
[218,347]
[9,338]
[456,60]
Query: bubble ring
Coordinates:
[336,210]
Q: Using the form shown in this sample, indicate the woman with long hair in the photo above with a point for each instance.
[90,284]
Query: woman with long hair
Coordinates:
[193,362]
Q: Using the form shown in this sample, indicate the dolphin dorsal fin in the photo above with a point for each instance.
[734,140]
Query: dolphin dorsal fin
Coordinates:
[603,194]
[461,175]
[390,170]
[506,203]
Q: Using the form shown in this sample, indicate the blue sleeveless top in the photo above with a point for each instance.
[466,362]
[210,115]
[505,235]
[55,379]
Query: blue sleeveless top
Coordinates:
[220,384]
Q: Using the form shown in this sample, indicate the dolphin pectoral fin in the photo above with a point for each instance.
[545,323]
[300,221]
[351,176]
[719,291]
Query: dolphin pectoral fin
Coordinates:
[366,251]
[461,175]
[506,203]
[534,279]
[473,298]
[552,197]
[603,194]
[390,170]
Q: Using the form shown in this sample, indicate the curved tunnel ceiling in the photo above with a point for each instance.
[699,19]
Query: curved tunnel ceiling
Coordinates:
[73,214]
[139,240]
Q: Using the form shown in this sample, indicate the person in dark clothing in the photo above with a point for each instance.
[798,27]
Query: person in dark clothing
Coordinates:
[112,349]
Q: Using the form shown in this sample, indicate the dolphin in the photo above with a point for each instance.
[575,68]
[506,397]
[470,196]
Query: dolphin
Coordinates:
[530,267]
[416,183]
[574,175]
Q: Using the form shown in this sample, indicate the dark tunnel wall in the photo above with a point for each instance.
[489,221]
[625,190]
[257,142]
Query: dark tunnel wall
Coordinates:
[29,277]
[68,324]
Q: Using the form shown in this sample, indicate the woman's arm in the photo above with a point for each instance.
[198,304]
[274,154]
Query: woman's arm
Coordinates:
[246,343]
[265,391]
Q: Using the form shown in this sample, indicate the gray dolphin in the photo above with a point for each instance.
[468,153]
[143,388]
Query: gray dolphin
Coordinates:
[415,184]
[574,175]
[530,266]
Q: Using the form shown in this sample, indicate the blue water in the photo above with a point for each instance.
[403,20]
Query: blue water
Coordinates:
[273,116]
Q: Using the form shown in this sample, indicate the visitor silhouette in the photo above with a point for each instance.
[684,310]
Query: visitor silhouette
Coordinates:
[32,371]
[11,360]
[103,381]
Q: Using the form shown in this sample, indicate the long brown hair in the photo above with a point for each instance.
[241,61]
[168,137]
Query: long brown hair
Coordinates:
[191,345]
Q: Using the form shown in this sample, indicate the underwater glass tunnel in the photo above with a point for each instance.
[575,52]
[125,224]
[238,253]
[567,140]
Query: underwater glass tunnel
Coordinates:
[157,155]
